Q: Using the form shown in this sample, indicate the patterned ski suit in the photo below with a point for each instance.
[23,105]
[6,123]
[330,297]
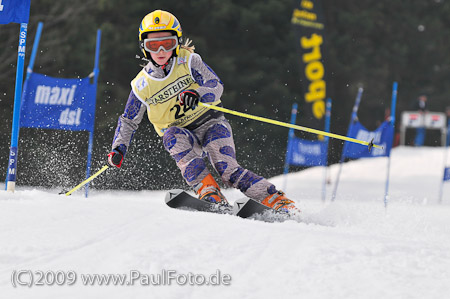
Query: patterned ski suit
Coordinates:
[189,135]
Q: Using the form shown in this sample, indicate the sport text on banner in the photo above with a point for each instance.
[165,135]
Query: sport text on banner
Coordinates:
[309,24]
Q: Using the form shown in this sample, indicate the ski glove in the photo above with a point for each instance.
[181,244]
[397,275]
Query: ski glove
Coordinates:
[115,158]
[189,97]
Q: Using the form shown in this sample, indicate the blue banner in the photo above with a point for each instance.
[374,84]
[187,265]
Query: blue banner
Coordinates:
[14,11]
[56,103]
[447,174]
[383,136]
[306,152]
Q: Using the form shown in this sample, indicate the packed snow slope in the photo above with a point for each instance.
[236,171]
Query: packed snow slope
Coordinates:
[350,248]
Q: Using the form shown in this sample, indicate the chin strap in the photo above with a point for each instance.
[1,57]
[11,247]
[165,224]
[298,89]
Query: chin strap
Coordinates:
[163,67]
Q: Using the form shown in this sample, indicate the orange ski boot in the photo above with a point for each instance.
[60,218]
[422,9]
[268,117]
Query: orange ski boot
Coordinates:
[208,190]
[280,203]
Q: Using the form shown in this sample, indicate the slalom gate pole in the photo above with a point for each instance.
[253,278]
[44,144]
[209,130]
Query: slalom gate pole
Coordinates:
[393,105]
[353,118]
[441,187]
[11,175]
[290,136]
[87,180]
[296,127]
[325,164]
[91,131]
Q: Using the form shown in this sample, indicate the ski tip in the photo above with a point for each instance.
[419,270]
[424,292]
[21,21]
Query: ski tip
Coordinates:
[172,193]
[239,204]
[63,192]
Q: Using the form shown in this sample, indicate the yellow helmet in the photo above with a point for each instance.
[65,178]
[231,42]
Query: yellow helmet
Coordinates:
[159,20]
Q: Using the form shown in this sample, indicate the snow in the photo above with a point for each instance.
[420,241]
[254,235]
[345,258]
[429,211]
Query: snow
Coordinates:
[350,248]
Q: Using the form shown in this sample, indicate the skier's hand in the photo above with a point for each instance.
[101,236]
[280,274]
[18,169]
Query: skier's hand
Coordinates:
[189,97]
[115,158]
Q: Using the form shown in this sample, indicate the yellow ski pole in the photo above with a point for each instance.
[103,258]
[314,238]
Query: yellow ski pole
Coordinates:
[87,180]
[283,124]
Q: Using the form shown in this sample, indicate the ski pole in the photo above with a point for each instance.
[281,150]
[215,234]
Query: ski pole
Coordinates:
[87,180]
[283,124]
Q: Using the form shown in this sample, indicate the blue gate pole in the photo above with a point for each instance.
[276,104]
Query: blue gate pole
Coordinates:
[441,187]
[91,132]
[352,119]
[29,71]
[290,136]
[30,67]
[37,38]
[393,105]
[12,165]
[325,164]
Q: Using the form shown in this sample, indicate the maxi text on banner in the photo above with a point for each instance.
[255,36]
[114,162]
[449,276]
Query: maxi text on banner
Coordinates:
[309,25]
[307,152]
[14,11]
[56,103]
[383,136]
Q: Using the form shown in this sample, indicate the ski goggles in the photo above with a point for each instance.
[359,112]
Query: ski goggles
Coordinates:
[155,45]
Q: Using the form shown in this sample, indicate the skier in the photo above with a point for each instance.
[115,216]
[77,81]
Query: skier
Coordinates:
[169,88]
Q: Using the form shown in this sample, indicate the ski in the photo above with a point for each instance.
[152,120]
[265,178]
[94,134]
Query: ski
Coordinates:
[180,199]
[247,207]
[244,208]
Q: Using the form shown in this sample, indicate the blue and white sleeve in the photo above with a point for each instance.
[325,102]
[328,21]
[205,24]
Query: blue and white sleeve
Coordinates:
[211,87]
[128,123]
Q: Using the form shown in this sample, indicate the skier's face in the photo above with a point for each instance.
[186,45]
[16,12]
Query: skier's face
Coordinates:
[162,56]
